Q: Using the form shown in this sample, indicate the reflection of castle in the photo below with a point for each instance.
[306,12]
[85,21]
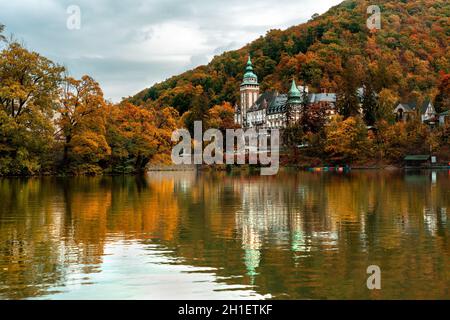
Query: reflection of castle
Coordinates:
[255,221]
[267,217]
[273,110]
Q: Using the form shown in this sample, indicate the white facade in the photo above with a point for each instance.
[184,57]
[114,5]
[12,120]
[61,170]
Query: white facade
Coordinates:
[249,95]
[429,113]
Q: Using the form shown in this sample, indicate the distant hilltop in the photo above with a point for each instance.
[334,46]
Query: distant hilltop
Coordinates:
[408,56]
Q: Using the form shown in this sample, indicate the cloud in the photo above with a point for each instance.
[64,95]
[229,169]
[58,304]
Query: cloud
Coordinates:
[129,45]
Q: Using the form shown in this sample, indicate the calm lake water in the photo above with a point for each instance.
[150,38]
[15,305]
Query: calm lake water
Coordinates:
[184,235]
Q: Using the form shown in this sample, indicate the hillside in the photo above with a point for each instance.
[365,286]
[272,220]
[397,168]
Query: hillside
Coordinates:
[406,56]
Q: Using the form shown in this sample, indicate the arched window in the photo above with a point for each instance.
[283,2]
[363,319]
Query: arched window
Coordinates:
[400,114]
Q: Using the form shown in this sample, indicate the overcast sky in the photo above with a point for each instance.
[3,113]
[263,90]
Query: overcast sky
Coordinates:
[129,45]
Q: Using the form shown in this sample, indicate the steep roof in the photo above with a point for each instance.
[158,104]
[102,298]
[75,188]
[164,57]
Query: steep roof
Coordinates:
[250,77]
[294,95]
[407,107]
[418,157]
[264,101]
[276,103]
[411,106]
[425,105]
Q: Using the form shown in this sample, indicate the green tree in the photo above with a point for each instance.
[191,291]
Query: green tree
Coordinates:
[348,100]
[442,102]
[293,138]
[199,112]
[370,104]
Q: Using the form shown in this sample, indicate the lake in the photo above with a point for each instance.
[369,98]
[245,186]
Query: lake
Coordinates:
[188,235]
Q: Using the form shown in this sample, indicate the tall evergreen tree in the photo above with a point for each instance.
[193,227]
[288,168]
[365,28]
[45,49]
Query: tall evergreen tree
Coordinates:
[369,104]
[348,101]
[199,112]
[442,102]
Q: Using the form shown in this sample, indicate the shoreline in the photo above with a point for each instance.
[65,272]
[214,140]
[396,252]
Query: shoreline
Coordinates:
[191,168]
[303,168]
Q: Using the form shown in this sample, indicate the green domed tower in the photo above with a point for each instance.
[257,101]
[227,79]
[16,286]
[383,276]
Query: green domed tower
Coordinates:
[249,92]
[250,77]
[293,104]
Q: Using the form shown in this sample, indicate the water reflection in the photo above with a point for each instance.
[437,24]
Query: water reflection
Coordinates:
[186,235]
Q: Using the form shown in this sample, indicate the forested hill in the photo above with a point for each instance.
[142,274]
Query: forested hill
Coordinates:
[406,58]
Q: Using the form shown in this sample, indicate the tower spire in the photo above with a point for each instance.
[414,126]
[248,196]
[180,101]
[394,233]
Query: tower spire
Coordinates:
[249,63]
[294,95]
[249,92]
[250,77]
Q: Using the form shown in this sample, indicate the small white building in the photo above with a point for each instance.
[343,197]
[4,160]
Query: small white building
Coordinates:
[407,110]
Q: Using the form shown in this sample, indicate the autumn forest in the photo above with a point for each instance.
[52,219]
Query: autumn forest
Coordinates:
[52,123]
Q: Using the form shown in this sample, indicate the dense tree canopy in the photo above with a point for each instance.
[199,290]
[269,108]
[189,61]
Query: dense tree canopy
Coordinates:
[407,59]
[53,123]
[443,98]
[82,122]
[139,135]
[28,91]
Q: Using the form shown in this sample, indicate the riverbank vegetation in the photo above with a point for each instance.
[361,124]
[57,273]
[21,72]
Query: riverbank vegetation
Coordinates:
[348,141]
[54,124]
[51,123]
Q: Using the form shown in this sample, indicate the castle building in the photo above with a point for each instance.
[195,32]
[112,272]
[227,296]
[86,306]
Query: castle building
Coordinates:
[272,110]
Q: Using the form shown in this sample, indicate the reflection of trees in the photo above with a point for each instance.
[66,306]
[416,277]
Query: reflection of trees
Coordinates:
[50,225]
[298,234]
[30,228]
[336,226]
